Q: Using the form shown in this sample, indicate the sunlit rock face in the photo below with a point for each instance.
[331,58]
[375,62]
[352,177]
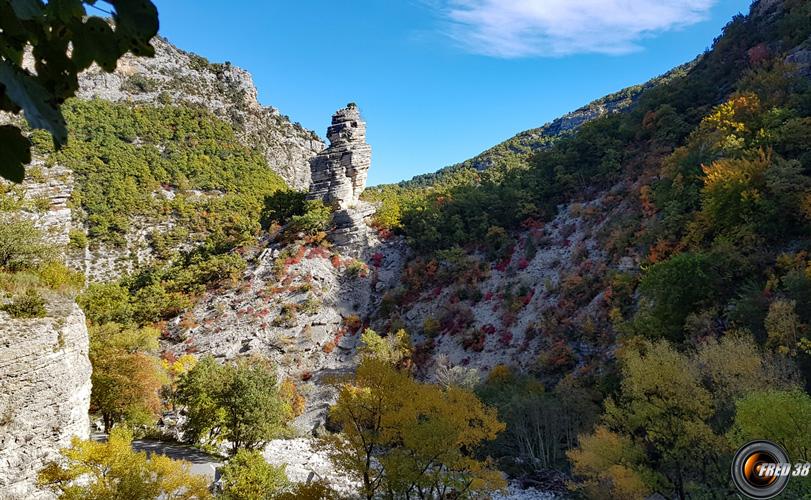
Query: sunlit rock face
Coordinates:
[44,393]
[338,174]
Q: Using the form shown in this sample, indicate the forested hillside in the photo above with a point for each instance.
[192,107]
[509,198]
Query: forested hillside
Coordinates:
[686,214]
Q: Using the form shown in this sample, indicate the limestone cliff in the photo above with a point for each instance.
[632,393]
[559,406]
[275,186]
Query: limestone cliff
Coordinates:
[45,375]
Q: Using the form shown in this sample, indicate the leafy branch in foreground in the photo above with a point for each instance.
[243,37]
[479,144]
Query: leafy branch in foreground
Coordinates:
[62,40]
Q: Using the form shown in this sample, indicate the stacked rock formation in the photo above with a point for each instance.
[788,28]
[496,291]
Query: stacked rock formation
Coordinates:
[338,173]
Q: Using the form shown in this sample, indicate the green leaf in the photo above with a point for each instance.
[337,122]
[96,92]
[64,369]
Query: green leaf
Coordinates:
[67,10]
[37,104]
[137,22]
[95,41]
[15,152]
[27,9]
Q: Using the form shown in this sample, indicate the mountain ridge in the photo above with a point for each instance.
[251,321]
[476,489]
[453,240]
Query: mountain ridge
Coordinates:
[519,147]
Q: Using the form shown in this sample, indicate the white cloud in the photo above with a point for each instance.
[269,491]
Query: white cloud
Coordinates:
[523,28]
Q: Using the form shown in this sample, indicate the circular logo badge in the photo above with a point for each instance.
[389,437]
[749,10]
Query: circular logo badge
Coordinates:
[761,469]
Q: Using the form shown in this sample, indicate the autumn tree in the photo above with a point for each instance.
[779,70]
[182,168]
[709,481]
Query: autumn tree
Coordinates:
[782,416]
[733,366]
[404,438]
[175,368]
[127,374]
[612,464]
[92,470]
[237,402]
[783,326]
[662,411]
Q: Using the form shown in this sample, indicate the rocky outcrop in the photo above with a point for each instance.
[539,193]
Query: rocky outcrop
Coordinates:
[338,174]
[175,76]
[45,376]
[800,57]
[45,194]
[339,177]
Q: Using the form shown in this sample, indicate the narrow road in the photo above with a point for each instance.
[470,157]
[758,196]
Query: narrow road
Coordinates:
[202,463]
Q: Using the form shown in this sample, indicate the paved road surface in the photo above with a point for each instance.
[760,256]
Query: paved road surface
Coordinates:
[201,463]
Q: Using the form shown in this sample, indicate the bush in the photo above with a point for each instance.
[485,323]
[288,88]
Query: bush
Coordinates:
[22,245]
[56,276]
[247,476]
[357,269]
[26,306]
[106,303]
[282,205]
[316,218]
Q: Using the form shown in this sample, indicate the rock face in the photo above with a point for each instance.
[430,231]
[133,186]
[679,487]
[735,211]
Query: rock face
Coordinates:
[338,174]
[800,56]
[304,312]
[44,196]
[45,376]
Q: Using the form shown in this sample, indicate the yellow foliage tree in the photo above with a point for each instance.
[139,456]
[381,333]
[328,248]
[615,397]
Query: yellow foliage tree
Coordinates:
[113,470]
[610,464]
[392,349]
[403,437]
[663,412]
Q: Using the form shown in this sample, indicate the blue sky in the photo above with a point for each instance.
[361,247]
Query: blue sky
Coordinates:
[439,81]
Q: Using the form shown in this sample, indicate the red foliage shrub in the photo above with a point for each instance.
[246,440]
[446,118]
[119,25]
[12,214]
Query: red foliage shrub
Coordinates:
[353,323]
[474,341]
[456,320]
[758,54]
[318,252]
[504,263]
[377,259]
[531,223]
